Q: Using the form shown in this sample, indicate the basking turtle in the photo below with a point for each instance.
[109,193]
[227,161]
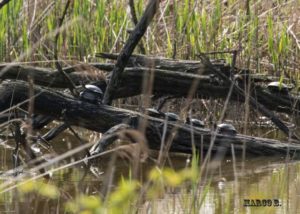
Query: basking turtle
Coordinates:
[278,87]
[171,116]
[91,94]
[195,122]
[152,112]
[226,128]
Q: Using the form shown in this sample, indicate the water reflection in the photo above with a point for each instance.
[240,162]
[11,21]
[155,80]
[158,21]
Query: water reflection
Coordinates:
[231,183]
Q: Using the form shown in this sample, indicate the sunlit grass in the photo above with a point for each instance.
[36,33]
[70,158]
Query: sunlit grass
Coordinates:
[201,26]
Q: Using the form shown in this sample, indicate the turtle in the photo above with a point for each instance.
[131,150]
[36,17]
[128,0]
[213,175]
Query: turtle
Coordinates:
[278,87]
[195,122]
[92,94]
[226,128]
[171,116]
[152,112]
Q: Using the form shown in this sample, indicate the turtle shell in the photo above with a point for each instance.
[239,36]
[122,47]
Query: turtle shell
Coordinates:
[278,87]
[94,89]
[91,94]
[152,112]
[226,128]
[196,123]
[171,116]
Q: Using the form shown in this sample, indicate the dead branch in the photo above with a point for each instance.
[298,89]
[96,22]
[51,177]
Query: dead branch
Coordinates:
[71,86]
[101,118]
[166,82]
[127,50]
[254,103]
[3,3]
[135,22]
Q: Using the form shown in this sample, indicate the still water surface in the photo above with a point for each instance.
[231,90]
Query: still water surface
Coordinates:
[261,181]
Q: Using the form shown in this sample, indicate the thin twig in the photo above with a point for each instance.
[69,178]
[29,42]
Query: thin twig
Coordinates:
[80,140]
[135,21]
[72,86]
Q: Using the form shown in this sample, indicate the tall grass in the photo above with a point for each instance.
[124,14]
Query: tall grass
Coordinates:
[201,26]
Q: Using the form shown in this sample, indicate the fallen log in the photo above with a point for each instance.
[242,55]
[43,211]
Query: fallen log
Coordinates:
[187,66]
[48,77]
[239,91]
[166,82]
[92,72]
[100,118]
[228,79]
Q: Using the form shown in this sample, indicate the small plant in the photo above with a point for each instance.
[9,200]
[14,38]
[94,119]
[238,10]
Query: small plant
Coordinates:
[39,187]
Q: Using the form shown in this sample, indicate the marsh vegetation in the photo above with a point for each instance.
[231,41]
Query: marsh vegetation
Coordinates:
[203,115]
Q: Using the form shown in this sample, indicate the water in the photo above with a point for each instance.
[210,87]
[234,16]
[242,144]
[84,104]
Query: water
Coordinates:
[231,183]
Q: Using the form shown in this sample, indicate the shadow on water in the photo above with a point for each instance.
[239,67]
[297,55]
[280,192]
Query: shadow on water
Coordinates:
[231,184]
